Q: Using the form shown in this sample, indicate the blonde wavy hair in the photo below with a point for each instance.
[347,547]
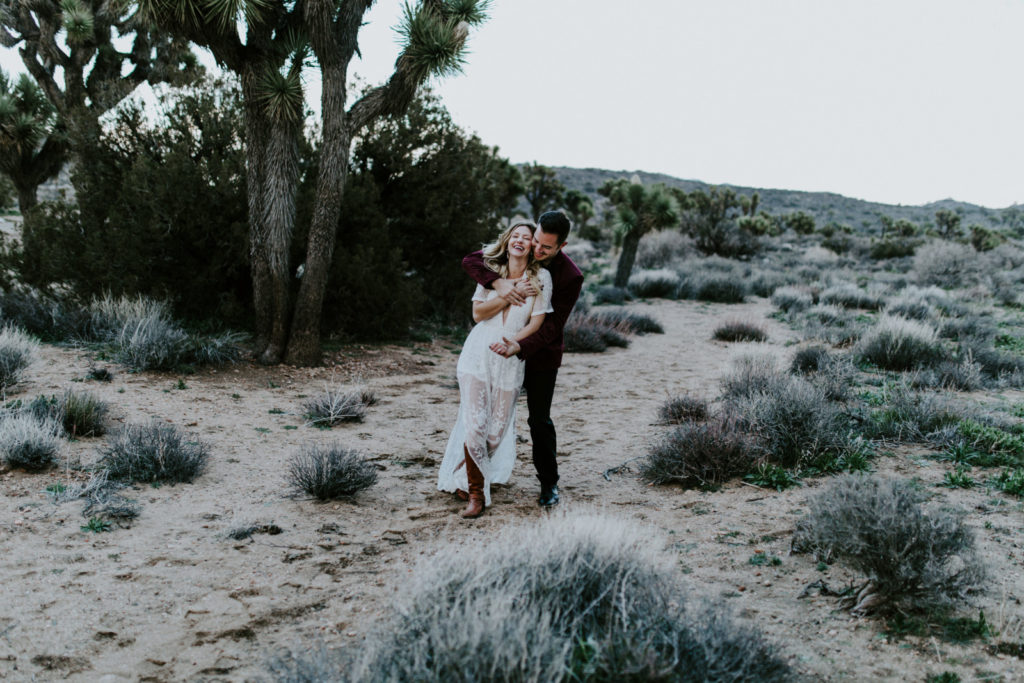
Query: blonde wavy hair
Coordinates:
[496,255]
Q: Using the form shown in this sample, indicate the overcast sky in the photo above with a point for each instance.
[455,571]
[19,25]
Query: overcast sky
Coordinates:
[899,101]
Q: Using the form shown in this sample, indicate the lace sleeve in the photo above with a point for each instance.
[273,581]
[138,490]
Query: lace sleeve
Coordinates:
[480,294]
[543,303]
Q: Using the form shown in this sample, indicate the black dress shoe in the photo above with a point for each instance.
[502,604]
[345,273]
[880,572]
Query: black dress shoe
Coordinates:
[548,496]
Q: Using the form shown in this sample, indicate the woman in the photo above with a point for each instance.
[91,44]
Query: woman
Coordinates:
[482,447]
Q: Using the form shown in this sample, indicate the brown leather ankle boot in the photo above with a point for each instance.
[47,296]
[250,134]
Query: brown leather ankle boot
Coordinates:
[475,508]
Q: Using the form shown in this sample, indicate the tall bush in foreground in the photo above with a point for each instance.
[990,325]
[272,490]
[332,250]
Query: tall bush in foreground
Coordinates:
[914,558]
[568,599]
[895,343]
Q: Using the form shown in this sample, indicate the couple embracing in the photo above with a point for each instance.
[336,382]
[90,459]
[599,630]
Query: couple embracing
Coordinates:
[526,288]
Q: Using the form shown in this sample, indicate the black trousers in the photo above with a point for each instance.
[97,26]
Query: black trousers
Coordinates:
[540,388]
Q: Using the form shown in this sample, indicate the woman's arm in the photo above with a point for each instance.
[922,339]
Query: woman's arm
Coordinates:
[535,322]
[485,310]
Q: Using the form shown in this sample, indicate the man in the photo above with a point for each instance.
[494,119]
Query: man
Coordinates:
[542,350]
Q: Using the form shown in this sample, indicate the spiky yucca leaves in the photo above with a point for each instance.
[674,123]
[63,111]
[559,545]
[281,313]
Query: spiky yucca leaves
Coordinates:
[32,142]
[638,210]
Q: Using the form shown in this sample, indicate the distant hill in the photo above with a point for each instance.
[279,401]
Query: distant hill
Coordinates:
[824,206]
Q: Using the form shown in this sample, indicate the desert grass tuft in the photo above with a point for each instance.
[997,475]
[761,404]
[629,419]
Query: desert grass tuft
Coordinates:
[740,331]
[848,295]
[338,405]
[570,598]
[154,452]
[723,289]
[792,298]
[83,414]
[28,441]
[330,471]
[751,375]
[629,322]
[914,558]
[17,351]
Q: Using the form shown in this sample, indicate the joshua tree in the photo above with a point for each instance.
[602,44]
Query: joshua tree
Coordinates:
[544,190]
[948,224]
[68,47]
[279,37]
[580,209]
[32,144]
[638,210]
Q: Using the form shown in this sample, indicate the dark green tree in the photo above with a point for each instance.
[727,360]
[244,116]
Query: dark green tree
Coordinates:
[33,144]
[267,43]
[71,48]
[800,222]
[639,209]
[711,219]
[947,224]
[544,191]
[580,208]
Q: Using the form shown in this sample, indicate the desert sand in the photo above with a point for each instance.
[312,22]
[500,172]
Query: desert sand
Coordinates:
[171,597]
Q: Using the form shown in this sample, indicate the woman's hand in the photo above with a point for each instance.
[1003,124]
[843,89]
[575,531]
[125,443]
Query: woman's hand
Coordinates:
[506,348]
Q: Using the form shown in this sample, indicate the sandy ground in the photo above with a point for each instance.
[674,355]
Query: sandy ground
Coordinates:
[172,598]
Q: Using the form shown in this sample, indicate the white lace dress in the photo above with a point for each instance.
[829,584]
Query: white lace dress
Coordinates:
[488,387]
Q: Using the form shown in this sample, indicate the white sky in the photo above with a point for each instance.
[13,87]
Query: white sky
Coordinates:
[899,101]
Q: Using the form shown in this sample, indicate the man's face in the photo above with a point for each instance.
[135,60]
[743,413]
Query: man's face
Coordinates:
[545,245]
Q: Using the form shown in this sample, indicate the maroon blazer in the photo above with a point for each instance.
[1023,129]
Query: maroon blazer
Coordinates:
[543,349]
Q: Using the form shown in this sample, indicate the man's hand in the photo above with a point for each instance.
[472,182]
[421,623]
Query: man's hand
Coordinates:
[508,291]
[525,287]
[506,348]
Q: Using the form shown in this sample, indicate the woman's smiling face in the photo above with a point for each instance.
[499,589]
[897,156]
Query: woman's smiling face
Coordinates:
[521,241]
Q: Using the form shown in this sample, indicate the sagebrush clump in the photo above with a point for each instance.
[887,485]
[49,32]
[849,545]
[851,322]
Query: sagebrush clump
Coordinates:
[338,405]
[28,441]
[571,598]
[330,471]
[740,331]
[154,452]
[683,408]
[915,559]
[895,343]
[703,454]
[17,351]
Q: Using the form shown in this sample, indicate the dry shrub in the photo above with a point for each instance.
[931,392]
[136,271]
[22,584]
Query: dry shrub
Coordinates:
[752,375]
[83,414]
[661,248]
[848,295]
[797,424]
[154,453]
[946,264]
[810,359]
[330,471]
[896,343]
[684,408]
[914,558]
[957,375]
[570,598]
[338,405]
[17,351]
[609,294]
[628,322]
[704,454]
[833,374]
[792,298]
[740,331]
[915,416]
[29,441]
[657,284]
[723,289]
[591,333]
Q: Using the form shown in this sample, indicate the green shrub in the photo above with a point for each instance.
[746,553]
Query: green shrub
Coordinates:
[1011,480]
[914,558]
[912,416]
[893,247]
[83,414]
[990,445]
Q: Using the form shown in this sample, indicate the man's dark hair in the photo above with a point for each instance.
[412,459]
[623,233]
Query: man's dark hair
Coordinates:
[555,223]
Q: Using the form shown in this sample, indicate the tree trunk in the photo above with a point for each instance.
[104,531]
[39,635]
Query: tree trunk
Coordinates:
[630,242]
[304,343]
[27,197]
[272,174]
